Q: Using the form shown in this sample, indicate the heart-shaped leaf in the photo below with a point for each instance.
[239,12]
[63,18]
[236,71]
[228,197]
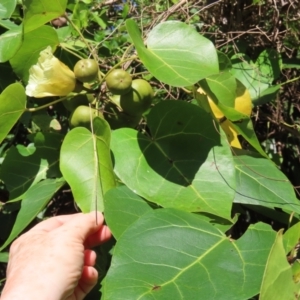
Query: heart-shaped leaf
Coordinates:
[10,42]
[85,163]
[181,159]
[260,182]
[33,43]
[12,106]
[171,254]
[39,12]
[221,88]
[122,208]
[259,76]
[176,54]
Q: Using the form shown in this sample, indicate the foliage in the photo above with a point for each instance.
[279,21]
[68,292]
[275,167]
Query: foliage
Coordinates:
[178,198]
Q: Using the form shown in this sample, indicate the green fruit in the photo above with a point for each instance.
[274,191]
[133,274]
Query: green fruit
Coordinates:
[81,116]
[71,103]
[116,100]
[138,99]
[117,119]
[118,82]
[86,70]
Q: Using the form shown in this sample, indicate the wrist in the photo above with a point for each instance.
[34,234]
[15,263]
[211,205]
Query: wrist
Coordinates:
[28,290]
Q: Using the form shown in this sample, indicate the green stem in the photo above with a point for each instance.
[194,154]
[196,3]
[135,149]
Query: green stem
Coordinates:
[70,51]
[34,109]
[82,37]
[126,51]
[289,81]
[87,45]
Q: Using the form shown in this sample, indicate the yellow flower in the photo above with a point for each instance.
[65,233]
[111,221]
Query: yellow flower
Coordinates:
[50,77]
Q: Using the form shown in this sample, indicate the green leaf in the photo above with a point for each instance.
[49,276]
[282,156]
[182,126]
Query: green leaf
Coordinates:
[181,160]
[8,24]
[86,164]
[20,171]
[267,95]
[289,63]
[4,257]
[296,276]
[291,237]
[34,201]
[7,7]
[10,42]
[245,128]
[171,254]
[12,106]
[39,12]
[278,278]
[269,64]
[176,54]
[221,89]
[33,43]
[122,208]
[224,61]
[260,182]
[257,77]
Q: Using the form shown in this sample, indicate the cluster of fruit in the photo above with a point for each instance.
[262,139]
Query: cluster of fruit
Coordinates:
[85,70]
[130,99]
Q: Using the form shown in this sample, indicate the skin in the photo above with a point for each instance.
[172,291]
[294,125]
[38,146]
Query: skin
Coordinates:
[54,260]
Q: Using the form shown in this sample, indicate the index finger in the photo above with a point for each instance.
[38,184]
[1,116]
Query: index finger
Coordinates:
[53,223]
[83,225]
[88,222]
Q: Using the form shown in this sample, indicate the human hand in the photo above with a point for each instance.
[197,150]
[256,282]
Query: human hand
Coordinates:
[53,260]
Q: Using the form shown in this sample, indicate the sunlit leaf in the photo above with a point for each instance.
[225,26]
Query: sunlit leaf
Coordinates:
[33,43]
[221,88]
[10,42]
[278,281]
[39,12]
[291,237]
[8,24]
[176,54]
[171,254]
[269,63]
[181,160]
[7,7]
[260,182]
[231,134]
[86,164]
[12,106]
[259,76]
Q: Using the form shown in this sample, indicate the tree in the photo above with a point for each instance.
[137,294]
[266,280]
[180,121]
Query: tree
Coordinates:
[177,185]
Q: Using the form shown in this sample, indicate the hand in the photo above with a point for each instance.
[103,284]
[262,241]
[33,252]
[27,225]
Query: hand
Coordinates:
[53,260]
